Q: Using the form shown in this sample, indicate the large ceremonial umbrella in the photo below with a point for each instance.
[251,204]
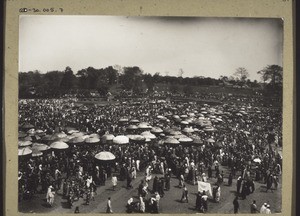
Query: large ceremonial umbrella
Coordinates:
[148,134]
[36,153]
[134,121]
[92,140]
[184,122]
[105,156]
[160,117]
[78,134]
[136,138]
[185,140]
[188,130]
[72,131]
[28,138]
[209,128]
[60,135]
[198,141]
[121,139]
[22,134]
[171,141]
[48,138]
[123,120]
[59,145]
[176,117]
[156,130]
[23,143]
[24,151]
[144,126]
[174,132]
[78,140]
[40,147]
[107,138]
[94,135]
[183,116]
[178,136]
[132,127]
[27,126]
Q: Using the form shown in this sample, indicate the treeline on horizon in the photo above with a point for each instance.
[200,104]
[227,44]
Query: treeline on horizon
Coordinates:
[57,83]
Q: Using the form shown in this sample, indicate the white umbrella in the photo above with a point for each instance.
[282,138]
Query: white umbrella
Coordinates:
[148,134]
[185,140]
[59,145]
[105,156]
[156,130]
[92,140]
[257,160]
[121,139]
[188,130]
[24,151]
[171,141]
[40,147]
[107,138]
[24,143]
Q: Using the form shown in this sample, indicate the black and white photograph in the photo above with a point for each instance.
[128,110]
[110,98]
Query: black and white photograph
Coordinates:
[150,114]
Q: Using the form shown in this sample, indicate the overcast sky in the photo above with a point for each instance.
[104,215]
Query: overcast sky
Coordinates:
[207,47]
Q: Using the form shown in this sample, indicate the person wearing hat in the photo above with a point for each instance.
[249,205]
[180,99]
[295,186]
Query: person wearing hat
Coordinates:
[263,208]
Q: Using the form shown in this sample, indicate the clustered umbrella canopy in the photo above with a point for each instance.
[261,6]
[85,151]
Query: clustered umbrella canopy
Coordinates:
[24,151]
[171,141]
[148,134]
[92,140]
[40,147]
[59,145]
[156,130]
[107,138]
[105,156]
[120,140]
[24,143]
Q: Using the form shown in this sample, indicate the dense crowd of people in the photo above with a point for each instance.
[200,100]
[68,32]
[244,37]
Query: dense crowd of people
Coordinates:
[243,137]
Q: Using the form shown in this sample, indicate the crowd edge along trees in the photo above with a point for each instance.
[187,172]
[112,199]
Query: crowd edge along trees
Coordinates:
[241,75]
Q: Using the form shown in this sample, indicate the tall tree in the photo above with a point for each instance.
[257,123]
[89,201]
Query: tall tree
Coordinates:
[272,74]
[241,74]
[132,79]
[68,79]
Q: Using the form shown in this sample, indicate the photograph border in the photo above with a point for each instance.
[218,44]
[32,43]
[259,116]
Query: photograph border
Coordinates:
[202,8]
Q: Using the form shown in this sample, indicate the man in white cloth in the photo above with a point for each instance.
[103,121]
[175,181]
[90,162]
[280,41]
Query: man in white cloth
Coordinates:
[268,210]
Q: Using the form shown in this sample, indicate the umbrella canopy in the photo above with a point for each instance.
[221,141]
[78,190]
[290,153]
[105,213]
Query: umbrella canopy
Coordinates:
[27,126]
[210,140]
[107,138]
[40,147]
[121,139]
[24,151]
[28,138]
[144,126]
[59,145]
[36,153]
[59,135]
[148,134]
[160,117]
[123,120]
[94,135]
[78,134]
[132,127]
[23,143]
[198,141]
[188,130]
[178,136]
[171,141]
[72,131]
[31,131]
[77,140]
[92,140]
[176,117]
[185,140]
[175,132]
[105,156]
[136,137]
[209,129]
[156,130]
[134,121]
[22,134]
[48,138]
[183,116]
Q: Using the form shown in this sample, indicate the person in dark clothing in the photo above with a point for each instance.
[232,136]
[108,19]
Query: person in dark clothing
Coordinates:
[155,184]
[236,205]
[230,179]
[209,172]
[253,207]
[168,181]
[129,180]
[199,201]
[161,187]
[76,210]
[140,189]
[244,190]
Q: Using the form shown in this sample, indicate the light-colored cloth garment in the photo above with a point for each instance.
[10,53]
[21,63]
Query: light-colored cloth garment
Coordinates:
[205,186]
